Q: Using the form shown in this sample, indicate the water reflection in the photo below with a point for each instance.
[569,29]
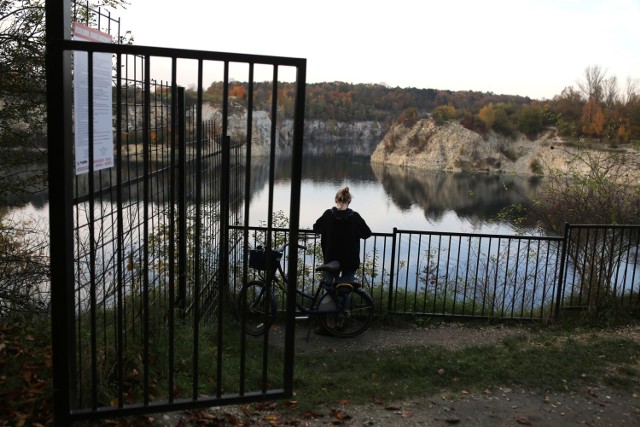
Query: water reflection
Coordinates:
[474,196]
[396,197]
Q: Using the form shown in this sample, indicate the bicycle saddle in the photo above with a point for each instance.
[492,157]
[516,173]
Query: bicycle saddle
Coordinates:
[333,266]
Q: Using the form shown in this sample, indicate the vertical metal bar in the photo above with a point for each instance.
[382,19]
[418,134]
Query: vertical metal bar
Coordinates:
[224,226]
[546,278]
[598,261]
[294,224]
[446,277]
[182,204]
[618,264]
[195,300]
[382,271]
[416,286]
[575,273]
[636,260]
[592,268]
[60,165]
[562,256]
[437,278]
[406,278]
[496,277]
[246,222]
[487,279]
[506,275]
[633,260]
[455,285]
[426,276]
[269,237]
[515,277]
[92,249]
[120,257]
[535,280]
[392,268]
[174,119]
[466,278]
[526,272]
[145,227]
[406,275]
[475,278]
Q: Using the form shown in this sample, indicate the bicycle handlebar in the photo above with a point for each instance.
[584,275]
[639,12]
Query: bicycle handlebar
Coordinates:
[282,248]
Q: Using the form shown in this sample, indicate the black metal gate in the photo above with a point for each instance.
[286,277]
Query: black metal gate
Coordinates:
[140,232]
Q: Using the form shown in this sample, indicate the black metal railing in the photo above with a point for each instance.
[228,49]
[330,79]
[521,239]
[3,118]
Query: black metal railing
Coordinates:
[602,266]
[481,275]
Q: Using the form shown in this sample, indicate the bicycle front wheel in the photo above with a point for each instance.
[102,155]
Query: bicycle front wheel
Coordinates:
[256,307]
[353,314]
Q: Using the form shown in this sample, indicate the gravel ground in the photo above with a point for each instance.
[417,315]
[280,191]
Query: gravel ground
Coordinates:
[503,406]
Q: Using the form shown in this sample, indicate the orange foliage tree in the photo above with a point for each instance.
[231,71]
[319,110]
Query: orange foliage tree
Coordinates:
[488,115]
[592,118]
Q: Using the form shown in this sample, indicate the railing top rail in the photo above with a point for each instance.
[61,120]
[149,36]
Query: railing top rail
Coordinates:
[180,53]
[604,226]
[422,232]
[303,231]
[489,235]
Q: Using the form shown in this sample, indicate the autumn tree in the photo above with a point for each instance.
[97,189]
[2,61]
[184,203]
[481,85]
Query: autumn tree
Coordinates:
[443,114]
[592,118]
[487,115]
[408,117]
[611,92]
[239,92]
[593,84]
[530,120]
[504,119]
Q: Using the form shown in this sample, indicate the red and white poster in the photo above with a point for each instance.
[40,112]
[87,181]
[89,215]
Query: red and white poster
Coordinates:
[102,102]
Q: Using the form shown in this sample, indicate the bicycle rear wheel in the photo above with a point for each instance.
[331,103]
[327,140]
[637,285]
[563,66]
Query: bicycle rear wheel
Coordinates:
[353,314]
[256,307]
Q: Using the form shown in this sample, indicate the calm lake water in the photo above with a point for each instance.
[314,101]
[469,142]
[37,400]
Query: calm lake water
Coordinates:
[386,197]
[408,199]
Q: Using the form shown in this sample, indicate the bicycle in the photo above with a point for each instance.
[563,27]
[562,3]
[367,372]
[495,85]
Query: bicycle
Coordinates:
[345,309]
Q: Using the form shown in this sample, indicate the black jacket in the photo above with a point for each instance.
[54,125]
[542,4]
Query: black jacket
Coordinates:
[341,232]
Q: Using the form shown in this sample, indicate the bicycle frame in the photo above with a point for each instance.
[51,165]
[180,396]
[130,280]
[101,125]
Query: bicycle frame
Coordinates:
[344,309]
[282,283]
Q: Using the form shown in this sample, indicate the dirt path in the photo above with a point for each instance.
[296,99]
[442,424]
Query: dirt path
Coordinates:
[498,407]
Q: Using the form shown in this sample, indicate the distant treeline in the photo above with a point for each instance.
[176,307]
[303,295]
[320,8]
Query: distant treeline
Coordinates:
[596,110]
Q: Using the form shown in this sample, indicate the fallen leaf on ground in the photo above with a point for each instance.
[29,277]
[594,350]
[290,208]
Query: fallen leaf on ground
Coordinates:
[312,414]
[523,420]
[290,404]
[452,419]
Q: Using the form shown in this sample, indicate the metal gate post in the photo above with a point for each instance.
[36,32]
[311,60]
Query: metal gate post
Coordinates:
[61,166]
[294,227]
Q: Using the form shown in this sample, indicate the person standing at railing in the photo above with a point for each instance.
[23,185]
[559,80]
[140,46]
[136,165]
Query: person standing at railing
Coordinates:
[341,229]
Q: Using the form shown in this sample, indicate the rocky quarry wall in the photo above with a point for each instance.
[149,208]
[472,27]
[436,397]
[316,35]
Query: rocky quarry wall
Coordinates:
[451,147]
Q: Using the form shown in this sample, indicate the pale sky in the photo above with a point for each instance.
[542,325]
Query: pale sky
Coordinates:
[519,47]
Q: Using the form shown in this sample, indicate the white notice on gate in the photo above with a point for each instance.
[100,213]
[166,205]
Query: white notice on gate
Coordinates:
[102,113]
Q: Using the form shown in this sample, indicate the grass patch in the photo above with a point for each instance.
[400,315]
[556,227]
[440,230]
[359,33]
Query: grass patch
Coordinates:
[542,359]
[550,361]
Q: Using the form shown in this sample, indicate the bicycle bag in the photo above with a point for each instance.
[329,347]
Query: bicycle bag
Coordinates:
[258,259]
